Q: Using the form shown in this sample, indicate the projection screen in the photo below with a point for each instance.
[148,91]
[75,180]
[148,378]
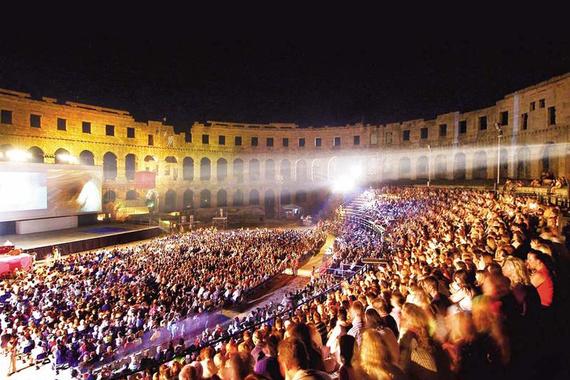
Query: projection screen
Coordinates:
[32,191]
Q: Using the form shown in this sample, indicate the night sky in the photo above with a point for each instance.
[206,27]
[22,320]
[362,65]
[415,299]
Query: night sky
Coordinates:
[330,72]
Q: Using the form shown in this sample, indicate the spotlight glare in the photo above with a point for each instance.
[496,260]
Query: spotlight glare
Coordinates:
[67,158]
[343,185]
[18,155]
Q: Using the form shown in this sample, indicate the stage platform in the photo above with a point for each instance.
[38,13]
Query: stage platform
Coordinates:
[81,239]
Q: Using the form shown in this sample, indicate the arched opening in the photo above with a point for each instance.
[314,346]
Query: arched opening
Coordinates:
[222,198]
[285,170]
[254,198]
[422,168]
[86,158]
[109,196]
[37,155]
[331,168]
[441,167]
[222,169]
[285,197]
[171,167]
[300,197]
[254,170]
[205,201]
[504,173]
[205,169]
[238,198]
[3,150]
[548,159]
[132,195]
[188,169]
[270,170]
[170,201]
[188,199]
[301,171]
[62,154]
[238,170]
[317,172]
[405,168]
[480,165]
[459,167]
[130,166]
[523,163]
[387,168]
[269,202]
[151,163]
[109,166]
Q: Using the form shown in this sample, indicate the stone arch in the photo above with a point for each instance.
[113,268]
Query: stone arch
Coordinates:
[317,171]
[270,170]
[548,159]
[188,199]
[238,198]
[300,197]
[269,203]
[130,166]
[205,169]
[222,198]
[109,196]
[422,168]
[151,163]
[170,201]
[523,163]
[405,168]
[459,166]
[37,155]
[238,170]
[285,170]
[254,169]
[4,148]
[188,169]
[171,167]
[205,198]
[331,168]
[221,169]
[479,168]
[285,197]
[441,166]
[132,195]
[60,153]
[87,158]
[301,171]
[109,166]
[254,197]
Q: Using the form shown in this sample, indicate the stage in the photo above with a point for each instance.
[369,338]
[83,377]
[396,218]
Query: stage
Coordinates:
[81,239]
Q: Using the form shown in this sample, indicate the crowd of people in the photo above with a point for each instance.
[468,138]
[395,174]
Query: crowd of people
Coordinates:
[94,307]
[469,288]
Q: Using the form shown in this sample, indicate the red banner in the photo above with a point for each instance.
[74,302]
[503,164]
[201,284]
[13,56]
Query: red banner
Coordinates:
[145,180]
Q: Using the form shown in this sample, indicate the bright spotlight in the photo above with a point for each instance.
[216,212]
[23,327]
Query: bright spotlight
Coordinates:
[18,155]
[343,185]
[356,171]
[67,158]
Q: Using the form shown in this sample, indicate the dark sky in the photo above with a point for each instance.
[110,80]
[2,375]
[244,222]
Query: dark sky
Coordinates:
[311,71]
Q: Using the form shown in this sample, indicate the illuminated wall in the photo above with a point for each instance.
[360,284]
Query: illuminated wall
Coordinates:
[225,163]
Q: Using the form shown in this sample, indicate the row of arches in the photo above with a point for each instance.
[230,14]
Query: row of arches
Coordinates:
[445,166]
[239,198]
[318,169]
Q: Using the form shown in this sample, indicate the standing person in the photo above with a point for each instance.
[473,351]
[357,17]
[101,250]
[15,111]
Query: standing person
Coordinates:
[12,348]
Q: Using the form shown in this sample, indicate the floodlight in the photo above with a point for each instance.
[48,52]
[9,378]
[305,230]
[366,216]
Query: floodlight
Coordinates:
[343,185]
[18,155]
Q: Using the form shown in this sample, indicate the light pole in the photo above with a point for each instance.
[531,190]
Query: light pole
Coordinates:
[429,165]
[499,129]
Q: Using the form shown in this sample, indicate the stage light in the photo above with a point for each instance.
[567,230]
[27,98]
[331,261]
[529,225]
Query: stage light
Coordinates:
[18,155]
[67,158]
[343,185]
[356,171]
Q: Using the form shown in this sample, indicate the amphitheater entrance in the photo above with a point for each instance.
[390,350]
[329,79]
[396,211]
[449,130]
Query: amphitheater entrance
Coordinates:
[269,203]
